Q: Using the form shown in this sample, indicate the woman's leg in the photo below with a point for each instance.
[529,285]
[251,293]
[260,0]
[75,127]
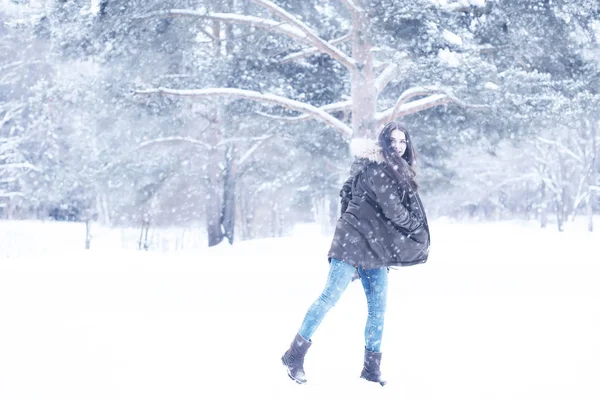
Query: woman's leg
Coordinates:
[340,275]
[375,283]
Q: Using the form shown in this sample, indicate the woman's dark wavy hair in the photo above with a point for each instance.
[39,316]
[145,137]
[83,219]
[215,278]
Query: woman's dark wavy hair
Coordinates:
[402,166]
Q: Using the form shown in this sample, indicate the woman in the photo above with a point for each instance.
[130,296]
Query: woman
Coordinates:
[383,224]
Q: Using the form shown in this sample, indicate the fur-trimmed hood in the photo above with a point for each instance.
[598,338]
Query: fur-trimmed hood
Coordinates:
[367,148]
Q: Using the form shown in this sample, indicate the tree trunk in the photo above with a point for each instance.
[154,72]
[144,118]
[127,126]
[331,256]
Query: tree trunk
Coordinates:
[88,233]
[213,177]
[364,95]
[334,210]
[146,243]
[246,214]
[229,181]
[103,211]
[322,212]
[213,188]
[543,206]
[241,212]
[590,211]
[275,220]
[560,210]
[143,242]
[592,175]
[220,209]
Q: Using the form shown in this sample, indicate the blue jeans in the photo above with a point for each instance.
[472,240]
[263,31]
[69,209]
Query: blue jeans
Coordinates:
[375,284]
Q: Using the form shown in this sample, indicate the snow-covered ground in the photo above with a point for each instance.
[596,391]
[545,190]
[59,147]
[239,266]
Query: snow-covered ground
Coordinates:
[501,311]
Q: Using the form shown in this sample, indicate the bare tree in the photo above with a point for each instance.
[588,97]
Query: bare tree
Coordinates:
[367,78]
[17,62]
[366,84]
[566,161]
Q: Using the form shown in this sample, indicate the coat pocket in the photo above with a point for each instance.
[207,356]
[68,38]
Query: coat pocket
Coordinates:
[409,249]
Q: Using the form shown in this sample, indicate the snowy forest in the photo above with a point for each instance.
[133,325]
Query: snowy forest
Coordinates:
[237,115]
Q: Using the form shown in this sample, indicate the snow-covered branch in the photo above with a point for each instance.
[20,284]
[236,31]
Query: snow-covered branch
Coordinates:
[464,104]
[252,149]
[8,115]
[208,34]
[403,107]
[296,30]
[23,165]
[9,180]
[562,147]
[311,50]
[412,107]
[463,6]
[313,38]
[581,193]
[9,146]
[263,23]
[260,138]
[173,139]
[521,178]
[10,65]
[280,118]
[12,194]
[351,6]
[261,97]
[385,77]
[333,107]
[150,143]
[394,112]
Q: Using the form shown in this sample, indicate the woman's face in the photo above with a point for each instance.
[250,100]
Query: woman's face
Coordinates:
[399,141]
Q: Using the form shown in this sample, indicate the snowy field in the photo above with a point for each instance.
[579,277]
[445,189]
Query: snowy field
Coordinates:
[501,311]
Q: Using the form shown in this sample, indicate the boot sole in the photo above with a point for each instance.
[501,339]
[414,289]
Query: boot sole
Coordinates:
[382,383]
[289,374]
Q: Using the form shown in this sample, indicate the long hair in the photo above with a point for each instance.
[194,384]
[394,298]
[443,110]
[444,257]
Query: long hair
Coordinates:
[402,166]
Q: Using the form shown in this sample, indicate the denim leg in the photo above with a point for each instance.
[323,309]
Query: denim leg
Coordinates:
[340,275]
[375,283]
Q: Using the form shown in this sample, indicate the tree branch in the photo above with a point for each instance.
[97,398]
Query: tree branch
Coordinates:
[257,96]
[12,194]
[561,146]
[174,139]
[149,143]
[392,113]
[333,107]
[313,38]
[24,165]
[9,115]
[385,77]
[244,139]
[11,179]
[412,107]
[10,65]
[291,29]
[402,108]
[267,24]
[252,149]
[461,7]
[311,50]
[351,6]
[208,34]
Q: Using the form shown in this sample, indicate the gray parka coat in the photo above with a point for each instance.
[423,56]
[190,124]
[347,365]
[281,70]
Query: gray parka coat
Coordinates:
[383,223]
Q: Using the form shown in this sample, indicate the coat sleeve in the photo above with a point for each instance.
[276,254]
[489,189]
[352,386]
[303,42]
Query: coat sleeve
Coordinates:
[346,194]
[390,198]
